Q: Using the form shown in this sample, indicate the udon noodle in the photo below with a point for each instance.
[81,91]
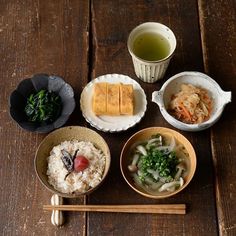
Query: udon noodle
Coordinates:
[159,164]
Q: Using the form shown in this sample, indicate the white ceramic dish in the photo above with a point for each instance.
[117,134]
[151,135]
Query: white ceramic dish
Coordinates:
[172,86]
[113,123]
[151,71]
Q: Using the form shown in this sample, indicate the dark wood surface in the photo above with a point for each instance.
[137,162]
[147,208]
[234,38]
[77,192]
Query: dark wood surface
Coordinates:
[80,40]
[218,23]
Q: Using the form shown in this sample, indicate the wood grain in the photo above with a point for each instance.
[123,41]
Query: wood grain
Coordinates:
[36,36]
[111,56]
[218,26]
[141,209]
[80,40]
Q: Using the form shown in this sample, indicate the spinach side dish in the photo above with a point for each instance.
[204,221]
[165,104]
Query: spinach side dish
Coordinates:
[43,107]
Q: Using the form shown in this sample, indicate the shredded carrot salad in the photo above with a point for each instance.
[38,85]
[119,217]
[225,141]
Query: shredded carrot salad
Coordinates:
[191,105]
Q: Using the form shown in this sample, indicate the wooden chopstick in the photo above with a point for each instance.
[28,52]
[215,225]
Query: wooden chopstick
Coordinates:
[158,209]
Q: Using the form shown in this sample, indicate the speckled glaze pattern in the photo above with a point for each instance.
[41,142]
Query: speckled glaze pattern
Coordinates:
[143,135]
[151,71]
[65,134]
[113,123]
[219,97]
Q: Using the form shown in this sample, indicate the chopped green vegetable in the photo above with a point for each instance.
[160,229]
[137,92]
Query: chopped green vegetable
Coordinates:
[43,107]
[160,162]
[155,167]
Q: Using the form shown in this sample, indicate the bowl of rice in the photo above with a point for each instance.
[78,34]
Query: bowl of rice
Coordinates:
[72,161]
[191,101]
[158,162]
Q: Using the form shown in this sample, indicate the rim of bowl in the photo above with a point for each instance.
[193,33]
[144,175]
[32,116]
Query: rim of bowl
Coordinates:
[146,61]
[73,195]
[146,194]
[49,127]
[178,123]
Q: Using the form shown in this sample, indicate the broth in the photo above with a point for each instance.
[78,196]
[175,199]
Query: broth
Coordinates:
[153,178]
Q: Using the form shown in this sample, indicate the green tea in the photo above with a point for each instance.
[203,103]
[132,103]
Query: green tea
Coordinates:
[151,47]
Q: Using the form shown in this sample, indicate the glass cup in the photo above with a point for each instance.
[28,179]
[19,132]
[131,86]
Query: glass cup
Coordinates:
[151,46]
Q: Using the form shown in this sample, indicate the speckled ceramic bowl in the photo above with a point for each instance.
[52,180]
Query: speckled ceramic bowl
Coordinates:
[172,86]
[143,135]
[38,82]
[66,134]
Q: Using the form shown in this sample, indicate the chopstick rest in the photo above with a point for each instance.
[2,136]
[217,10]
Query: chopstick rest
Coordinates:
[57,217]
[155,209]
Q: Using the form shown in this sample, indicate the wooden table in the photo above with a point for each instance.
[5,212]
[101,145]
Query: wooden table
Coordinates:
[80,40]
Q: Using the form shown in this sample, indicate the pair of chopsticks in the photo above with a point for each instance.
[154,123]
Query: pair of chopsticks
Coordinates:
[155,209]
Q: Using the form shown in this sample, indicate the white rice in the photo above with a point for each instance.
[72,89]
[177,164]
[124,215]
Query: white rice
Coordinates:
[76,181]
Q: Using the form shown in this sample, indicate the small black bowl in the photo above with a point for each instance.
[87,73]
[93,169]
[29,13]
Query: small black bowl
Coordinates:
[18,100]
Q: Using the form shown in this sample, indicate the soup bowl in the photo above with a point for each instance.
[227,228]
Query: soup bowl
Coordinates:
[143,187]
